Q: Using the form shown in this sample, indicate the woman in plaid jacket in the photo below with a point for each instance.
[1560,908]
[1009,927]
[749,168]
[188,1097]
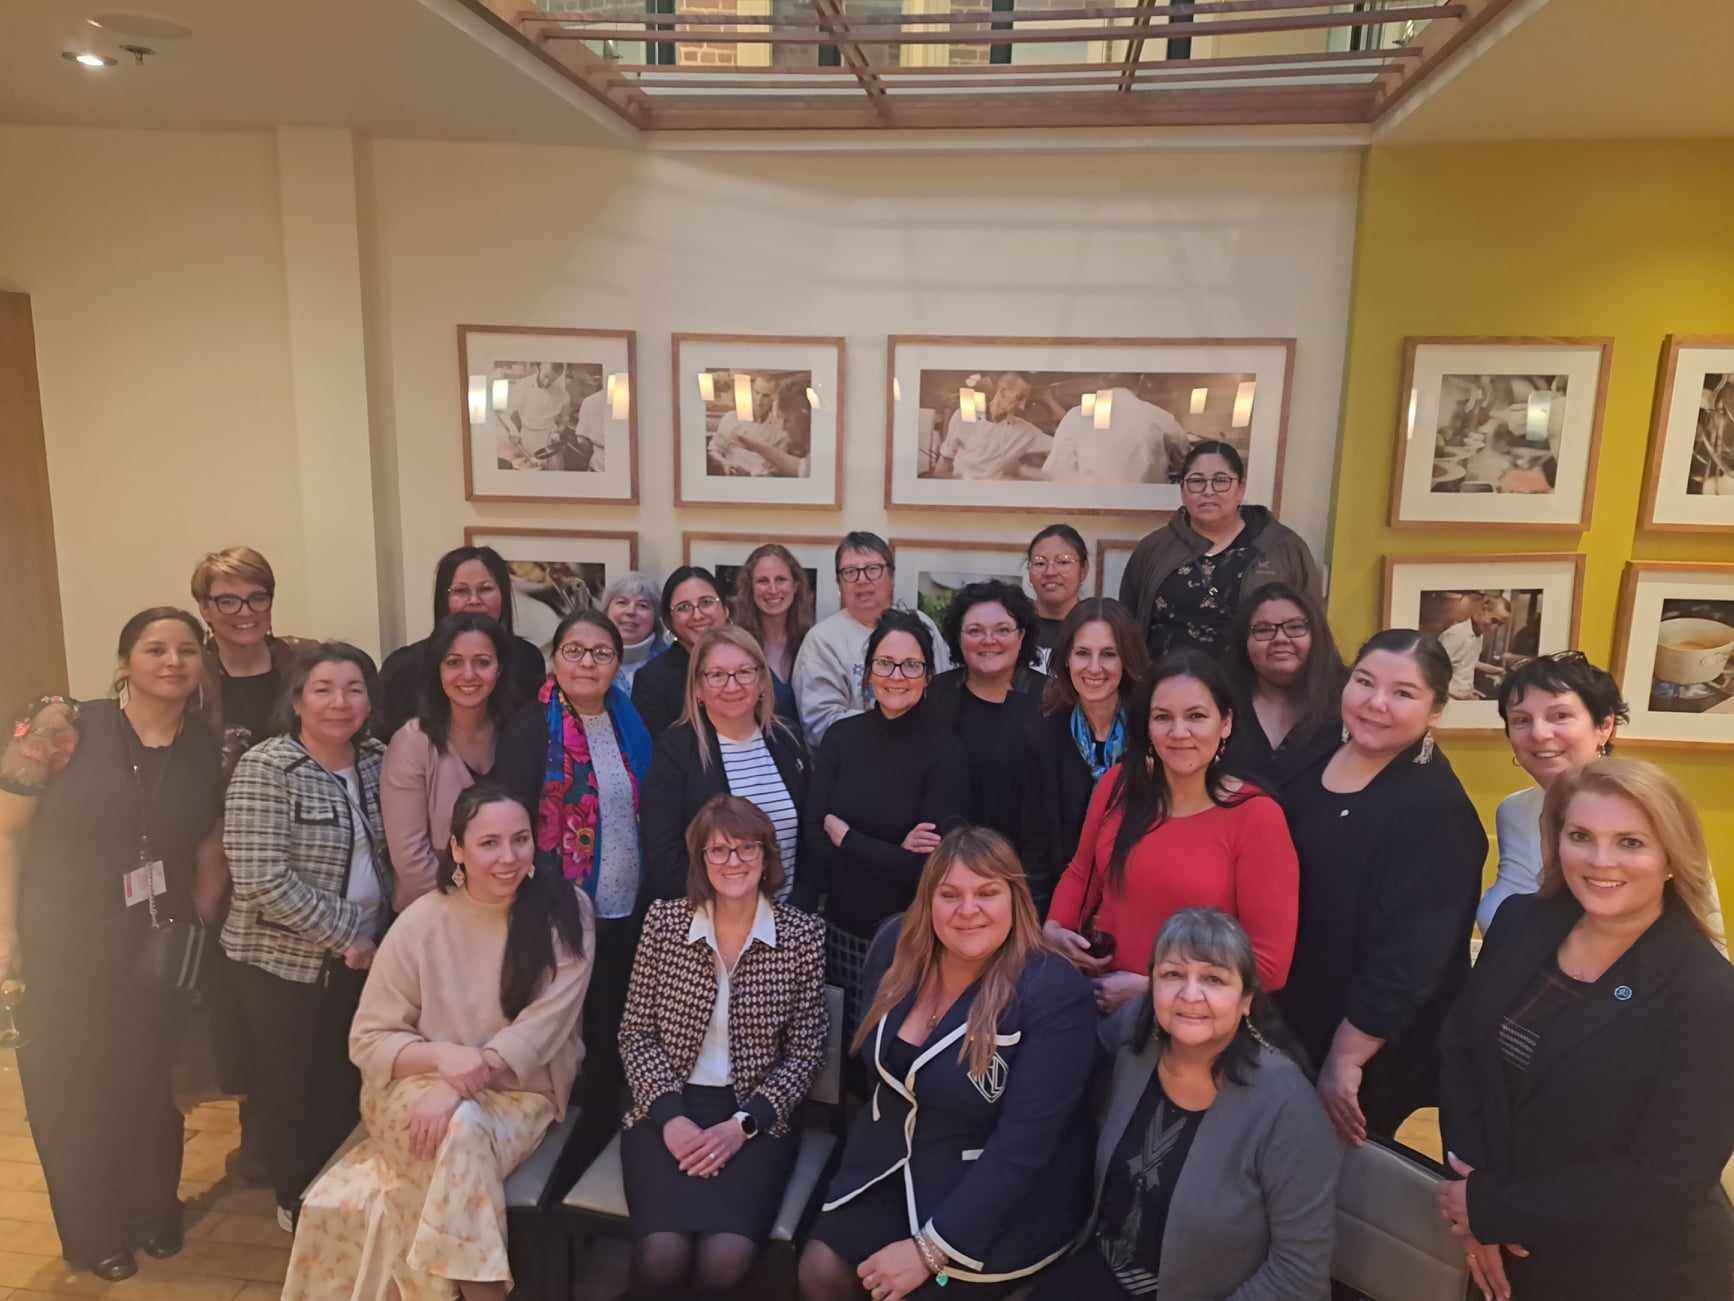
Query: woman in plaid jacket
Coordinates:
[724,1030]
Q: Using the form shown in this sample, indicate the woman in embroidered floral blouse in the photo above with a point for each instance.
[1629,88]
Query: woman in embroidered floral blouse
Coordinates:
[578,756]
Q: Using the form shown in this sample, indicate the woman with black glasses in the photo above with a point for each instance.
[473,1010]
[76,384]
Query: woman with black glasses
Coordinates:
[692,602]
[1058,562]
[1285,667]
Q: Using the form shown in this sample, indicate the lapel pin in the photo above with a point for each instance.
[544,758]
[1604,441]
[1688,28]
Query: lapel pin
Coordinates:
[1623,993]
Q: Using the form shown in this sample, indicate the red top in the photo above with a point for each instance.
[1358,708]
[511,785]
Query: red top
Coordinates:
[1237,857]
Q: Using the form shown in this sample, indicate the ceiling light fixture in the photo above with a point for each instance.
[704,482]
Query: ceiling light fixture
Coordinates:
[85,59]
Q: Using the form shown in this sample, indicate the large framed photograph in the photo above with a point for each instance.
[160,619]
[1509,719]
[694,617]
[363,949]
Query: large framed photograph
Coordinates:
[1077,425]
[1689,486]
[555,572]
[1492,614]
[1112,555]
[1674,659]
[724,553]
[758,421]
[1499,432]
[548,414]
[930,573]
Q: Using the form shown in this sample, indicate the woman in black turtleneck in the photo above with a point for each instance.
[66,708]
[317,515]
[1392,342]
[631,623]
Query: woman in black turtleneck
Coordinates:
[887,784]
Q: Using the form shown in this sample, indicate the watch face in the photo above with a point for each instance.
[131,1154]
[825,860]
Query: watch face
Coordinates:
[748,1125]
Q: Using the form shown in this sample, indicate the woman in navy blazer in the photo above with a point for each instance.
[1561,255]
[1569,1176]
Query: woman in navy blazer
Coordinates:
[970,1165]
[1585,1087]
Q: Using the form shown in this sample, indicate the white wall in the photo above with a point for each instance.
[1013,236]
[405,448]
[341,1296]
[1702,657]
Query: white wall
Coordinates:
[1165,244]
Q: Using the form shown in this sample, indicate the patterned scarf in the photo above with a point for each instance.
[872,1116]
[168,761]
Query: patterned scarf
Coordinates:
[1099,755]
[569,817]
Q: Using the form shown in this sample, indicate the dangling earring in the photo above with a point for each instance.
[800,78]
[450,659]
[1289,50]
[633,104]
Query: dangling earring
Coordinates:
[1426,755]
[1253,1030]
[458,876]
[1514,762]
[1345,733]
[531,873]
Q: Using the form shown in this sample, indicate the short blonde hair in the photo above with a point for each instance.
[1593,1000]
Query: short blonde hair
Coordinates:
[243,564]
[1671,816]
[764,709]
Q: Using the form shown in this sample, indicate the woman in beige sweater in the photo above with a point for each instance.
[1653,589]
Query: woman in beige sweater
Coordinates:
[461,1074]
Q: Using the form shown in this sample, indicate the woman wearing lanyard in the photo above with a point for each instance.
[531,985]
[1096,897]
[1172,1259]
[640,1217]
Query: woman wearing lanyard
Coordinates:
[123,835]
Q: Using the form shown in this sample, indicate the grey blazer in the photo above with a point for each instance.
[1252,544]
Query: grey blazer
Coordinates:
[1253,1214]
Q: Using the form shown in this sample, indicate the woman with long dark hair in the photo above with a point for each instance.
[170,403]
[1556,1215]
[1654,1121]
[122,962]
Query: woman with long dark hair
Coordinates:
[774,602]
[467,580]
[1170,827]
[111,825]
[462,1074]
[969,1168]
[1287,671]
[447,747]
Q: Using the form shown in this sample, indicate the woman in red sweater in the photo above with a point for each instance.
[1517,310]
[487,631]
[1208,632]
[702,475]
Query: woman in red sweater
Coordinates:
[1168,828]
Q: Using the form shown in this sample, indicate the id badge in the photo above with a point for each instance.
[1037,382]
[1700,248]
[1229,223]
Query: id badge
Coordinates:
[146,881]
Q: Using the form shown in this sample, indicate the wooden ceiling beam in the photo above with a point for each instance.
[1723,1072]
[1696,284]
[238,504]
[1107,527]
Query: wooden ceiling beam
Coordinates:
[1010,74]
[1435,45]
[1314,64]
[830,15]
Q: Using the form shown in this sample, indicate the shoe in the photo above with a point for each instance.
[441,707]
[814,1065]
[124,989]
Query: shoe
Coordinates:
[164,1243]
[116,1267]
[286,1219]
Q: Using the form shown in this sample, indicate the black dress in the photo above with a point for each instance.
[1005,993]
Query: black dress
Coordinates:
[996,740]
[1389,879]
[95,1063]
[1195,604]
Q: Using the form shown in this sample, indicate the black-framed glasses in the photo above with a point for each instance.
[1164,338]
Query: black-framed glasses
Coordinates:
[573,653]
[480,592]
[883,666]
[717,679]
[1293,629]
[258,602]
[1208,482]
[863,573]
[719,855]
[704,605]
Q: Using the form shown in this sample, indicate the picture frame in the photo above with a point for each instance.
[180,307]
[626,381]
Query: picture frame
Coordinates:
[548,413]
[930,571]
[554,571]
[1679,680]
[1499,432]
[1492,614]
[1112,556]
[724,553]
[786,389]
[1689,478]
[1013,424]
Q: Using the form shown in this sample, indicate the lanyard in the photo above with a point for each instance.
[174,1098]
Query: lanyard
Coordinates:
[146,801]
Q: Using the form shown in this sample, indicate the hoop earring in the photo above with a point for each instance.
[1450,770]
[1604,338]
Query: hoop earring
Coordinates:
[1427,747]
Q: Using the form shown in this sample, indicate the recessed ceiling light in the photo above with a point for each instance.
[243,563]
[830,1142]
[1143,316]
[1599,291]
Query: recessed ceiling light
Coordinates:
[87,59]
[142,25]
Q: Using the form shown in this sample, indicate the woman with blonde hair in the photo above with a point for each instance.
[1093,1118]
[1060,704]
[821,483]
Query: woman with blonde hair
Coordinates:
[1584,1093]
[979,1041]
[728,742]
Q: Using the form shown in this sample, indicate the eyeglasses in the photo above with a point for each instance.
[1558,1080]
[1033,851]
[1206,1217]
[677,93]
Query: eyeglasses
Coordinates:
[573,653]
[258,603]
[717,679]
[704,605]
[1208,483]
[1293,629]
[719,855]
[999,631]
[862,573]
[883,666]
[481,592]
[1059,564]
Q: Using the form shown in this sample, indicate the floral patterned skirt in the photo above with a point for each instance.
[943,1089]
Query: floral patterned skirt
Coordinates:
[382,1216]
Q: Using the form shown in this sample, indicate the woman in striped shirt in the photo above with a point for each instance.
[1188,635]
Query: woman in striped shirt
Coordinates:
[728,741]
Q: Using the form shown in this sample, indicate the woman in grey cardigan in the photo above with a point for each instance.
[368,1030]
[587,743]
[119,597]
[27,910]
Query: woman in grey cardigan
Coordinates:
[1216,1170]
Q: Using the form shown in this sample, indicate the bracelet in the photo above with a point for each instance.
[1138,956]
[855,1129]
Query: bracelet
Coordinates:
[933,1258]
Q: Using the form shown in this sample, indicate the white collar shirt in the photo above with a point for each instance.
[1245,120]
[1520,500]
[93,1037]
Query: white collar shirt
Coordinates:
[712,1068]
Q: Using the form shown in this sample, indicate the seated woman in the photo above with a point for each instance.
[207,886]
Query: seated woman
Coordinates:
[970,1167]
[727,742]
[1215,1166]
[1584,1093]
[1286,669]
[462,1071]
[463,710]
[721,1040]
[1171,828]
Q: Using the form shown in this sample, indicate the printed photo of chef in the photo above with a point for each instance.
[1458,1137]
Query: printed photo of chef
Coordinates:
[1498,433]
[1487,633]
[548,415]
[758,423]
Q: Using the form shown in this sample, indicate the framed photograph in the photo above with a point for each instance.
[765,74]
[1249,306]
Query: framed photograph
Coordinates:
[1491,613]
[1499,432]
[929,574]
[1111,557]
[555,572]
[548,414]
[724,553]
[1674,658]
[758,421]
[1077,425]
[1689,486]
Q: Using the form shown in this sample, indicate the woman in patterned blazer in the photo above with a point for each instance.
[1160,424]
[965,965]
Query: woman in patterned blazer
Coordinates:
[724,1030]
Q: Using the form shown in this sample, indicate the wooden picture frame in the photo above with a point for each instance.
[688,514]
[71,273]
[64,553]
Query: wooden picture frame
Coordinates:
[1540,600]
[1113,554]
[1239,389]
[715,551]
[1478,379]
[701,364]
[571,451]
[1684,435]
[542,594]
[1666,711]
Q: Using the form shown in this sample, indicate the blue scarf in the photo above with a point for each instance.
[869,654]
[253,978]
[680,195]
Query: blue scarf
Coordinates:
[1099,756]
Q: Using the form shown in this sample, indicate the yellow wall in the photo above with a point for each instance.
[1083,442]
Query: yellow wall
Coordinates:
[1628,240]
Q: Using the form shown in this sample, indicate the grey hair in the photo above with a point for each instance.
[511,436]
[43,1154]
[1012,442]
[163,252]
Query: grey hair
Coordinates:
[1208,935]
[636,584]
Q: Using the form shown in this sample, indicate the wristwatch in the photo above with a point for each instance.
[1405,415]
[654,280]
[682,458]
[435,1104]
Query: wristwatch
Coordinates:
[749,1126]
